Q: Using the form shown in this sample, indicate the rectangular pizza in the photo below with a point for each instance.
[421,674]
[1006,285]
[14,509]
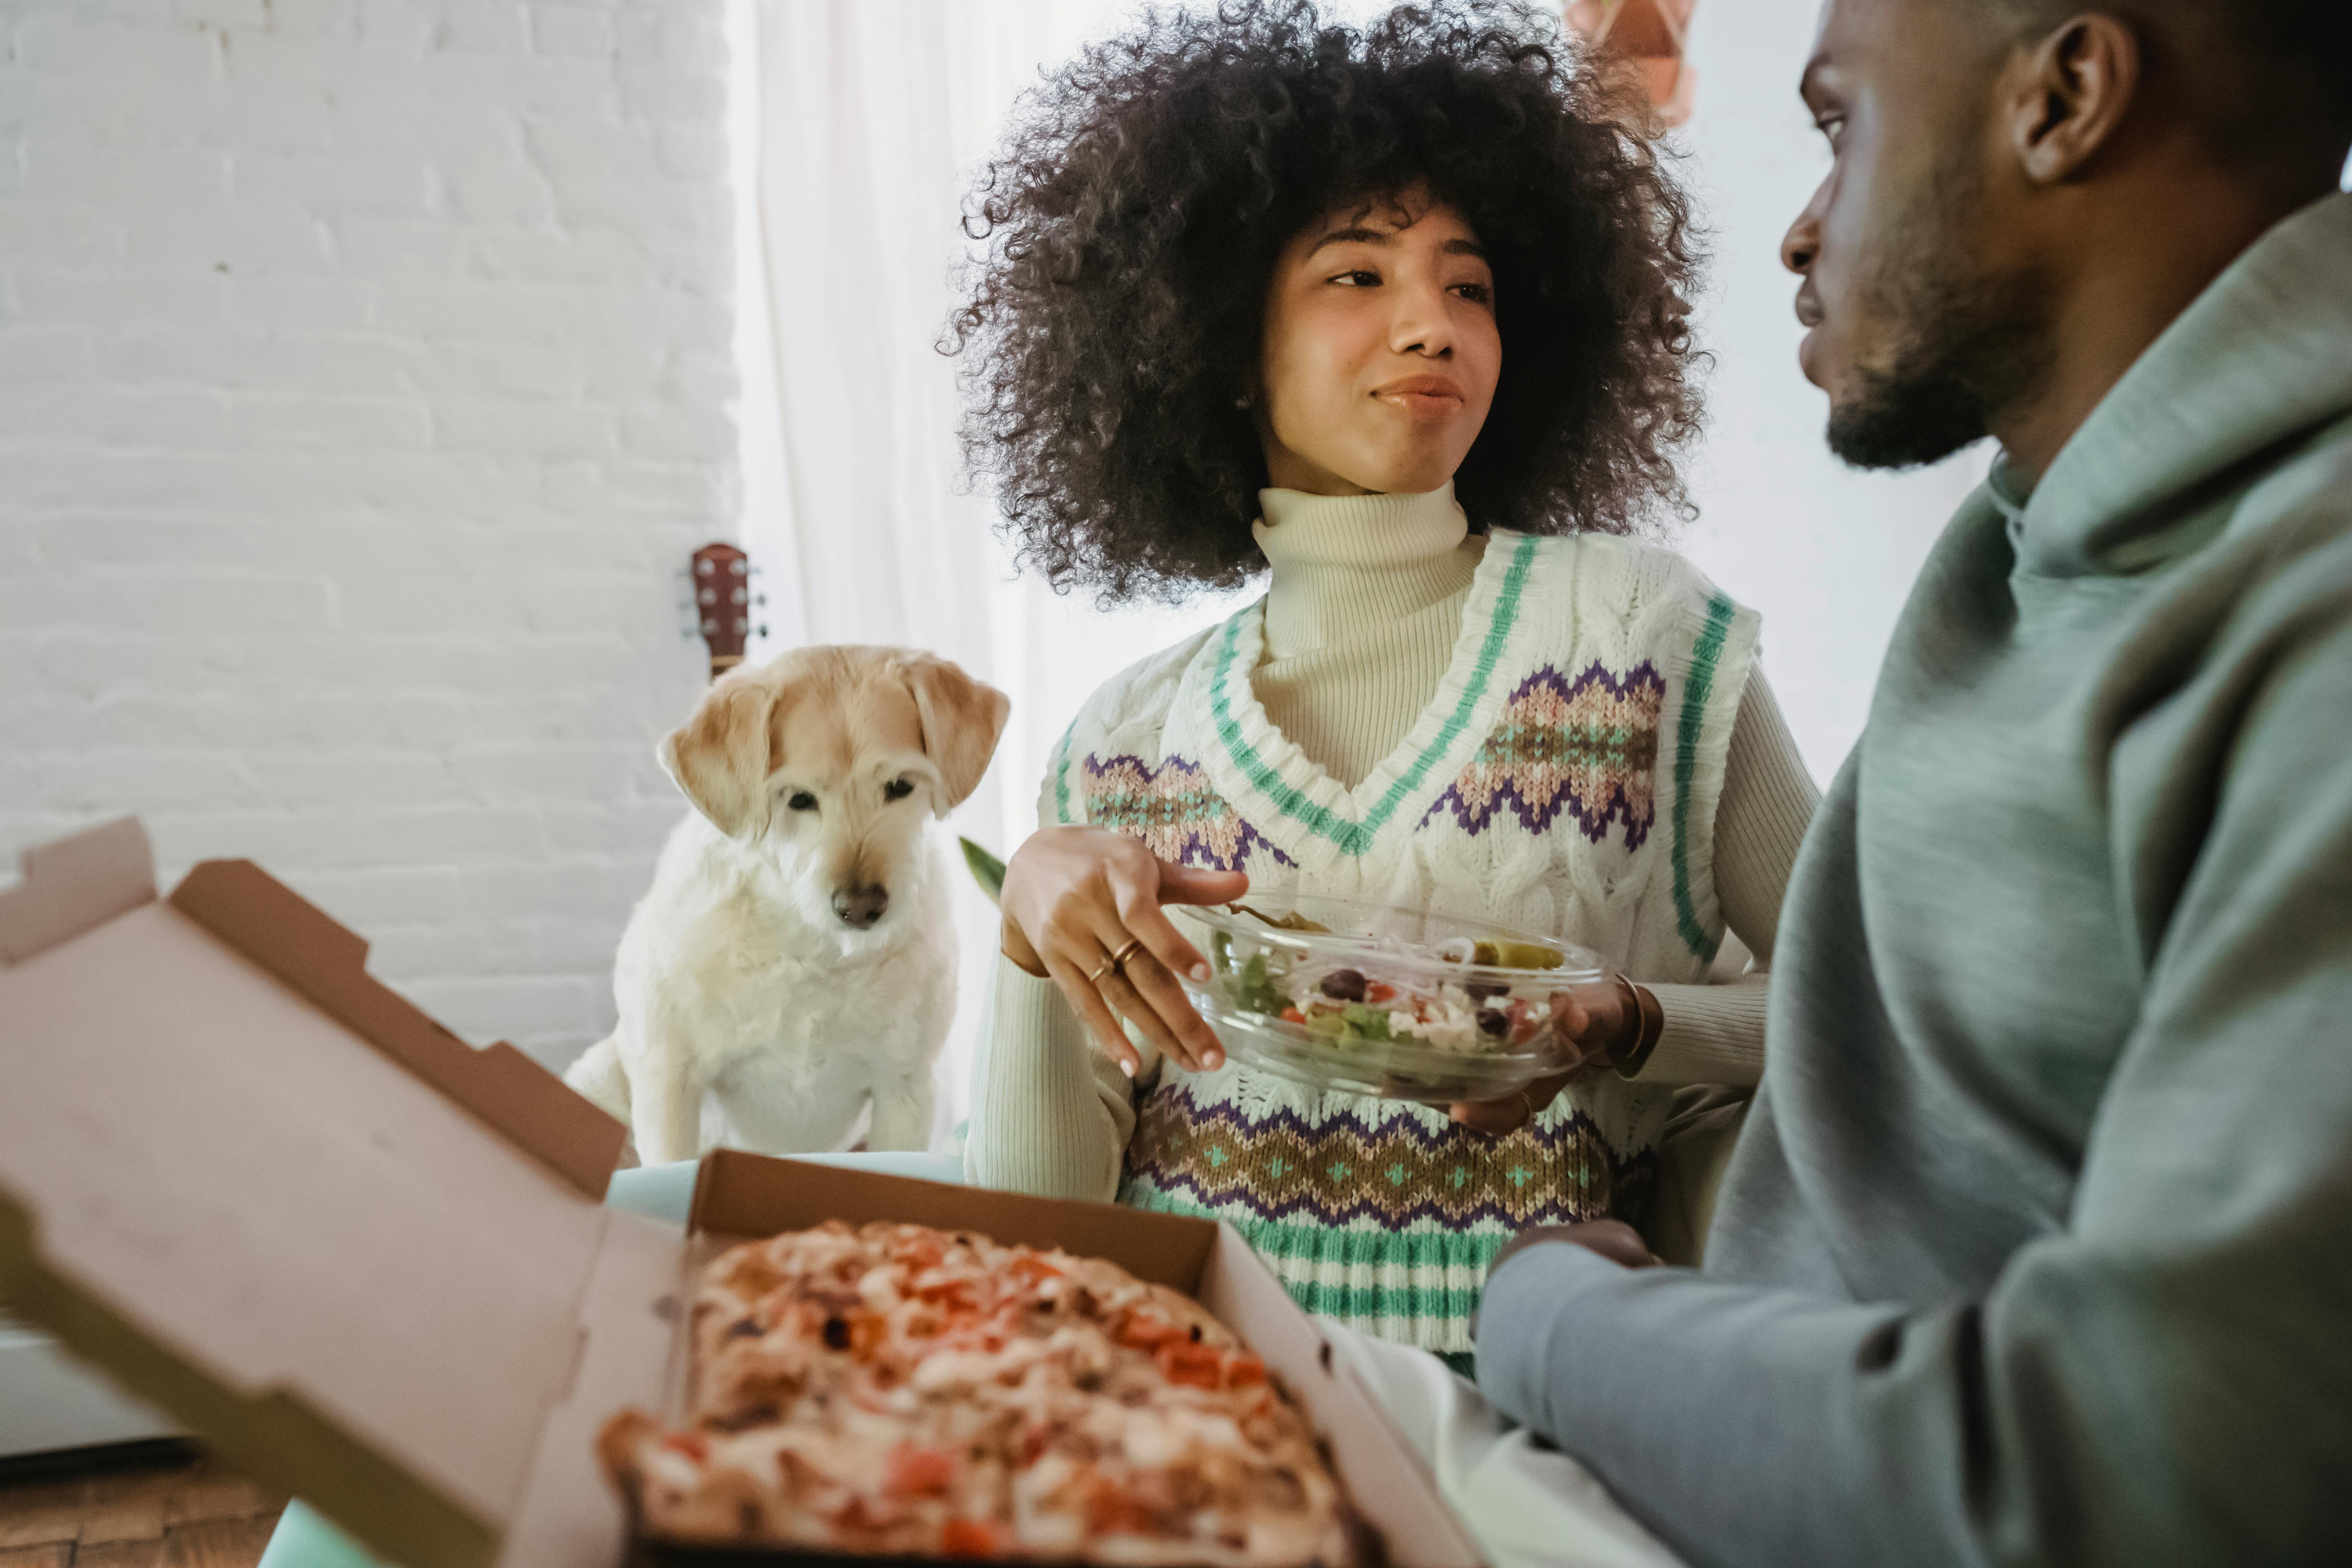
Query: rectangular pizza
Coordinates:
[901,1390]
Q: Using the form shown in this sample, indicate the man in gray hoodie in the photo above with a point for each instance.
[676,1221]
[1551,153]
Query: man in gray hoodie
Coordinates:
[2037,1247]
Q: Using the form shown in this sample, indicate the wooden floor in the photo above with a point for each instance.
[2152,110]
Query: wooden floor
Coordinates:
[153,1505]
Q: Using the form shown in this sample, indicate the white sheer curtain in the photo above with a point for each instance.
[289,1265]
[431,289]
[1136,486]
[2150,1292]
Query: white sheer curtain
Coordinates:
[858,125]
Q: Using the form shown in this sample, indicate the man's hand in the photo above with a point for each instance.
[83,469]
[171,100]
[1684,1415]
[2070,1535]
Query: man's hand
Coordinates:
[1612,1239]
[1591,1025]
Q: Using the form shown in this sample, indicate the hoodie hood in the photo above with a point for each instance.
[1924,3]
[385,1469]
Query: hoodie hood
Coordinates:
[2262,357]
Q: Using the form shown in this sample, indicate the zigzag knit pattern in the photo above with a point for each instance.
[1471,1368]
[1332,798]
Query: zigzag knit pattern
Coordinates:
[1390,1227]
[1587,748]
[1338,1170]
[1174,809]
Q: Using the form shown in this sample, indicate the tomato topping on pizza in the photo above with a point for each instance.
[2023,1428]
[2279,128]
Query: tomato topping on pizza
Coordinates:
[1146,1332]
[918,1472]
[968,1538]
[1180,1361]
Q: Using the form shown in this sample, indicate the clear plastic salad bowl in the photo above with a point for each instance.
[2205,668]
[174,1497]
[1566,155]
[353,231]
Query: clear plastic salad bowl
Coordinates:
[1374,999]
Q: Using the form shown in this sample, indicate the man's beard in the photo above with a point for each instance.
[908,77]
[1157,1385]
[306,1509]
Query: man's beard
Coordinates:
[1968,344]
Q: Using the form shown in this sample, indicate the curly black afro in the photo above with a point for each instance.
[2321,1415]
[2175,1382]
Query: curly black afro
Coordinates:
[1134,216]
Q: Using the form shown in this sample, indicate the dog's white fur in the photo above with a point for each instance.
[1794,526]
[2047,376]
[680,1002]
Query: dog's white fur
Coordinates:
[756,1007]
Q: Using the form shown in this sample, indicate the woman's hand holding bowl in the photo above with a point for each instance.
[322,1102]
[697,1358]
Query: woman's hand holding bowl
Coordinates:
[1596,1027]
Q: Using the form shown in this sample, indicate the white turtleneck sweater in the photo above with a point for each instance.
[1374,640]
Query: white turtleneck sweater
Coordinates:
[1361,618]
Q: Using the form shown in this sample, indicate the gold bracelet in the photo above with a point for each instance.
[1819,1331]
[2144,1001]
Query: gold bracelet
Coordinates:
[1652,1018]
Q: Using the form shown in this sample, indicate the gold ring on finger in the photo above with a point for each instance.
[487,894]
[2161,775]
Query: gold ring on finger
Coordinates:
[1116,960]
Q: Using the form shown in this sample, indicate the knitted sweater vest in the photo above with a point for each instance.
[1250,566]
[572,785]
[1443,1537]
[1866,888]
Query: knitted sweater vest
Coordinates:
[1562,780]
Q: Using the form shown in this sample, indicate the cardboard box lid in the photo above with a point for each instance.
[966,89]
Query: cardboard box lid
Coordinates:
[367,1260]
[281,1203]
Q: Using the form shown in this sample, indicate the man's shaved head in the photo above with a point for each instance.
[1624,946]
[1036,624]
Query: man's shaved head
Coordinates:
[2261,68]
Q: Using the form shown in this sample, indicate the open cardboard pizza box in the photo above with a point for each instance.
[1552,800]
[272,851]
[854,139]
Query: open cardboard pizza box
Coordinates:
[370,1263]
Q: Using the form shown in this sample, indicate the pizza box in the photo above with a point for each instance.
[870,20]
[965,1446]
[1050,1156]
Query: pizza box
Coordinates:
[370,1263]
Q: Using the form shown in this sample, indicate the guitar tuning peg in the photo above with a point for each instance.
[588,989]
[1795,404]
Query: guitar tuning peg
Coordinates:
[763,628]
[759,599]
[709,627]
[736,567]
[741,625]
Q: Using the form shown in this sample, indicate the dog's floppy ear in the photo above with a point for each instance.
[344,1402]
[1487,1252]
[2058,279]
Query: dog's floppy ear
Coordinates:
[961,721]
[721,756]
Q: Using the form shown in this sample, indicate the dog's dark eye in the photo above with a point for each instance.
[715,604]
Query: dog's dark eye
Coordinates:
[802,801]
[897,789]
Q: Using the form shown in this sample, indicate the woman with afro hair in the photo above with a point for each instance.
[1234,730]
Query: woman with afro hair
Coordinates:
[1397,312]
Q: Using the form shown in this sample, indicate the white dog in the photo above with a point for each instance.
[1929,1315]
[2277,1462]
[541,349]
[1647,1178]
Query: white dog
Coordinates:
[794,959]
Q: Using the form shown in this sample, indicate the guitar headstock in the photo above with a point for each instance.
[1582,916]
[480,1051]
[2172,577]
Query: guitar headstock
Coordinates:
[722,603]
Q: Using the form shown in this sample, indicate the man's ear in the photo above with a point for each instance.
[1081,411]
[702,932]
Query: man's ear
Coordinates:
[721,756]
[962,721]
[2068,94]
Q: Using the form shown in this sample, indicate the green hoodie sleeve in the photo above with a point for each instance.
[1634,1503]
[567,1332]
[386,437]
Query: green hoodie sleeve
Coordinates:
[2165,1379]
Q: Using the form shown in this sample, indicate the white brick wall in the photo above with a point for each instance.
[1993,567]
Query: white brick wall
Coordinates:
[363,382]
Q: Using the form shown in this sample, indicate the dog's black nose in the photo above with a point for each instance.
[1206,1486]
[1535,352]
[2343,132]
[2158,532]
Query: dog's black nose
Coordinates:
[860,906]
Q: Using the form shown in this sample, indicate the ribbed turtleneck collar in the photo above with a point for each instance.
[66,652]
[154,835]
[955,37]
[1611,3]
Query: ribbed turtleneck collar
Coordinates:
[1345,564]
